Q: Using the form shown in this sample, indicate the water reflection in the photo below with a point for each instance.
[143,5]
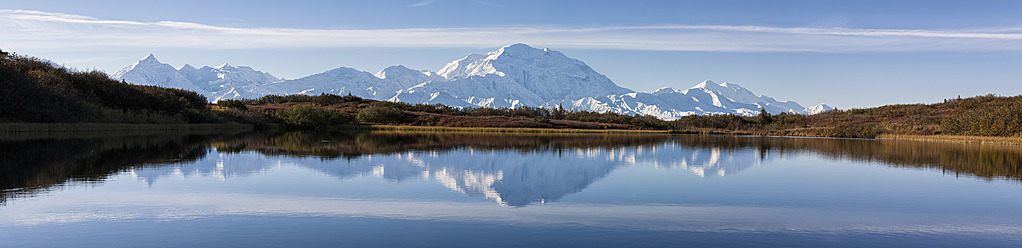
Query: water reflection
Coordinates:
[512,170]
[32,164]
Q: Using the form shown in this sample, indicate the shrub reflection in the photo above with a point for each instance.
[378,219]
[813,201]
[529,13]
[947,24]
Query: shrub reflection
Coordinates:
[34,164]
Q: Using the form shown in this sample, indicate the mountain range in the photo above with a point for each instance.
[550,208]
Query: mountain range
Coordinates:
[513,76]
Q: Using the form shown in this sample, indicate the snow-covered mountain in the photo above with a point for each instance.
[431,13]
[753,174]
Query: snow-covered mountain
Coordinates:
[216,83]
[516,75]
[513,76]
[381,86]
[704,98]
[149,71]
[224,81]
[818,108]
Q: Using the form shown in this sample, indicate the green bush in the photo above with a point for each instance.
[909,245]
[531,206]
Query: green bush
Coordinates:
[242,116]
[231,103]
[311,116]
[322,99]
[327,99]
[1004,120]
[381,115]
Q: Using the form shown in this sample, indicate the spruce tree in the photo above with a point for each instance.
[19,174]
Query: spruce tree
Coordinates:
[764,118]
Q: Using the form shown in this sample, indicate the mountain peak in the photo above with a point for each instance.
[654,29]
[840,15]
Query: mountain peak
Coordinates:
[666,89]
[513,75]
[150,71]
[187,67]
[149,60]
[521,51]
[344,71]
[511,56]
[705,84]
[345,68]
[818,108]
[708,84]
[517,47]
[398,70]
[732,86]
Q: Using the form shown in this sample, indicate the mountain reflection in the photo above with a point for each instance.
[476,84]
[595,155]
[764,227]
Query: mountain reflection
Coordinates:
[513,170]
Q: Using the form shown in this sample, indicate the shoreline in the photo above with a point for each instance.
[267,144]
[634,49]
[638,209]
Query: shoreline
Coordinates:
[503,130]
[959,139]
[127,129]
[17,131]
[115,127]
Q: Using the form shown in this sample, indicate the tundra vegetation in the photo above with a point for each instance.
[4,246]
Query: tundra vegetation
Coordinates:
[35,91]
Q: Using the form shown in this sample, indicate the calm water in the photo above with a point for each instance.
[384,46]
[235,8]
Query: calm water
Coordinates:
[295,189]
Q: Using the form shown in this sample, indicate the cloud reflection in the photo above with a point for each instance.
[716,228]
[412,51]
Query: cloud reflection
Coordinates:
[139,206]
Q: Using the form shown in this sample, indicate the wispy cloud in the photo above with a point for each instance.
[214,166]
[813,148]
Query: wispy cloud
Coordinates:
[421,3]
[57,31]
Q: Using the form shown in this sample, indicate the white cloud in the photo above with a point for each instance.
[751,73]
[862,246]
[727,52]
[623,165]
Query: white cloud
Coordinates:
[26,29]
[421,3]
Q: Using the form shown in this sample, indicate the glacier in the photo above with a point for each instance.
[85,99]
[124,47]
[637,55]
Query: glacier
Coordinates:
[515,75]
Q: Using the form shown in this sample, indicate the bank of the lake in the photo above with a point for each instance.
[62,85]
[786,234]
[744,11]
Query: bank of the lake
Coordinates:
[986,140]
[50,130]
[507,130]
[1012,141]
[32,129]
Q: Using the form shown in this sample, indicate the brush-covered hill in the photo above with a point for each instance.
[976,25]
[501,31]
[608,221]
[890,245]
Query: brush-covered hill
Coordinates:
[39,91]
[988,115]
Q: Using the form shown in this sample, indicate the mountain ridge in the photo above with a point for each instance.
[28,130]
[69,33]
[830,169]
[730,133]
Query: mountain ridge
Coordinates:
[513,76]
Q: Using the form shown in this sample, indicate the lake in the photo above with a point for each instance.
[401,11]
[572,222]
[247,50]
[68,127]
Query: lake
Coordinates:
[385,189]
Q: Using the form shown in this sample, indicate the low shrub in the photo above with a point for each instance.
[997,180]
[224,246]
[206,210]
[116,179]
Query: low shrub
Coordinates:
[231,103]
[310,116]
[381,114]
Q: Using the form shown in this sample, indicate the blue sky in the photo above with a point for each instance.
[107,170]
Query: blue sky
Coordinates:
[845,53]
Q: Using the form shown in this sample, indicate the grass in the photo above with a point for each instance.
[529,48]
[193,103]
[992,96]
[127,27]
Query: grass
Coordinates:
[105,129]
[1013,141]
[115,128]
[510,130]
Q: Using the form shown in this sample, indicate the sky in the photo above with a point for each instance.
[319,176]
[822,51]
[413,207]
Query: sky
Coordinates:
[848,54]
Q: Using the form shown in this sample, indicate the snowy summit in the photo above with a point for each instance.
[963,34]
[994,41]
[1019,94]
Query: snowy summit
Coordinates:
[513,76]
